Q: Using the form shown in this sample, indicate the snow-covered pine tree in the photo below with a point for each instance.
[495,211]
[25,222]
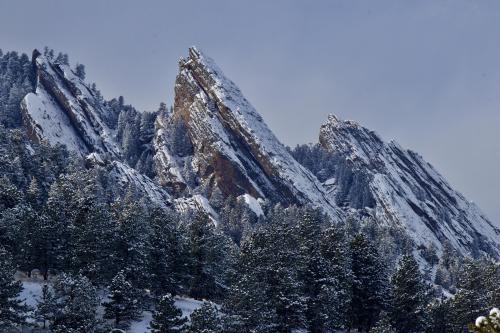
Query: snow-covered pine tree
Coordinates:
[439,316]
[132,241]
[323,267]
[122,305]
[336,291]
[46,306]
[280,270]
[246,307]
[166,317]
[409,297]
[205,320]
[369,286]
[478,289]
[211,258]
[80,71]
[12,309]
[167,258]
[77,303]
[383,324]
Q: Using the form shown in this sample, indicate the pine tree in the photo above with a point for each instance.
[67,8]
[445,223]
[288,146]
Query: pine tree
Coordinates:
[409,297]
[167,262]
[478,290]
[369,287]
[166,317]
[122,305]
[46,306]
[211,258]
[247,307]
[205,320]
[439,316]
[383,324]
[77,303]
[336,290]
[285,286]
[80,71]
[132,241]
[12,309]
[324,271]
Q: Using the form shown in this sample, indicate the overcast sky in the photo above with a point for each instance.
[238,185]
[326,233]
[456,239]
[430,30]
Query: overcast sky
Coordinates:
[425,73]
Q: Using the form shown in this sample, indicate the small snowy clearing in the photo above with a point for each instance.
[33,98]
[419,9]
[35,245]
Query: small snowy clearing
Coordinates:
[32,291]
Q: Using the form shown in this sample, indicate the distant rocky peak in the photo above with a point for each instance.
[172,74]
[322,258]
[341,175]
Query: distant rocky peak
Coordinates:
[348,137]
[404,190]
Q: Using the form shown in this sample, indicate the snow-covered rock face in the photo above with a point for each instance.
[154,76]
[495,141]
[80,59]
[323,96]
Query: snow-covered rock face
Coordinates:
[64,110]
[405,190]
[234,149]
[167,164]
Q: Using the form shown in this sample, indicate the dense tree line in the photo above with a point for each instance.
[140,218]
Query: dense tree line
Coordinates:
[16,80]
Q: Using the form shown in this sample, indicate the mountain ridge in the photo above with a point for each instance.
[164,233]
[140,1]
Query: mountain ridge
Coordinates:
[230,151]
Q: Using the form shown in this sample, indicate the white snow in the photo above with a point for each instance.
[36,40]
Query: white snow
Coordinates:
[32,291]
[49,122]
[53,123]
[253,204]
[400,181]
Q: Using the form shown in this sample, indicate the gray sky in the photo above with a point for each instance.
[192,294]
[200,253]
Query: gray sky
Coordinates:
[423,72]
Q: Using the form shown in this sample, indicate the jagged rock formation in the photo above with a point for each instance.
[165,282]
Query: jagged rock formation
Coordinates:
[234,150]
[64,110]
[398,187]
[168,164]
[228,149]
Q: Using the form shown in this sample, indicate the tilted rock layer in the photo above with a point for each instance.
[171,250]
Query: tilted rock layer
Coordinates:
[403,189]
[234,150]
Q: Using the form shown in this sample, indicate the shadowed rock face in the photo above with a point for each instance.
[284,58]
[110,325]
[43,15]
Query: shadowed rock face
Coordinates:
[405,190]
[234,150]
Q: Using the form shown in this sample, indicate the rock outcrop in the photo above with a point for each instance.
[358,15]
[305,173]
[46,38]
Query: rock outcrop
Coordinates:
[399,188]
[233,149]
[64,110]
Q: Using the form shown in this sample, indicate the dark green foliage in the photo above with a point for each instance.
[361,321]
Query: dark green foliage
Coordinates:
[210,255]
[439,316]
[131,241]
[478,289]
[409,297]
[16,80]
[166,317]
[370,285]
[123,304]
[205,320]
[168,257]
[383,324]
[76,305]
[12,309]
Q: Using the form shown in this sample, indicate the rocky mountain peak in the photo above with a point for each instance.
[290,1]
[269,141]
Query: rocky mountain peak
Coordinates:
[233,149]
[404,190]
[349,138]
